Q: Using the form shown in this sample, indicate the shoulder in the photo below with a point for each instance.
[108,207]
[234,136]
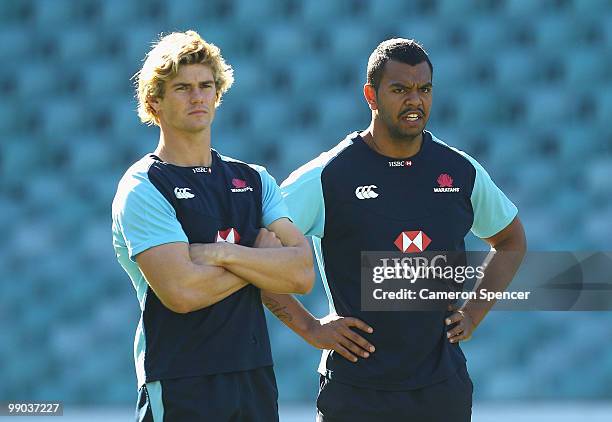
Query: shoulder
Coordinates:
[452,153]
[313,169]
[134,183]
[235,163]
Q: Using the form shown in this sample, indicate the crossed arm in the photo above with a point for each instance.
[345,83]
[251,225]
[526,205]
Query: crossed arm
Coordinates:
[191,277]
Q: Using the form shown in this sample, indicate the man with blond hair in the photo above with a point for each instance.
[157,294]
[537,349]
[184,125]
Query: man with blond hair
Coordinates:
[188,229]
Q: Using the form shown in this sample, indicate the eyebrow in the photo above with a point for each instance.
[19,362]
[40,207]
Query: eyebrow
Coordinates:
[401,85]
[177,84]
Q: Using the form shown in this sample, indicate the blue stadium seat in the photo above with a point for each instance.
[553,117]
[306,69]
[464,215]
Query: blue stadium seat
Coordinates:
[453,71]
[89,153]
[116,13]
[426,33]
[22,152]
[604,105]
[323,12]
[54,13]
[516,67]
[309,74]
[136,42]
[485,107]
[123,116]
[104,77]
[64,115]
[9,116]
[383,11]
[527,8]
[552,31]
[587,66]
[77,43]
[301,147]
[341,113]
[269,114]
[352,42]
[248,12]
[599,174]
[549,107]
[180,16]
[284,41]
[39,78]
[486,35]
[12,11]
[16,42]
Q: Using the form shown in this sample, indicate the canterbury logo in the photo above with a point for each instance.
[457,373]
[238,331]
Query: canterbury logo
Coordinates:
[366,192]
[183,193]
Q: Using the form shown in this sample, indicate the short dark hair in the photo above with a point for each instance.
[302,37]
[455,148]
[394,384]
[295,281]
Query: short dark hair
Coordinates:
[399,49]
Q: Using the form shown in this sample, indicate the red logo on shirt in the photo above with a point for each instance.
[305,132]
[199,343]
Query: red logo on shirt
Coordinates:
[445,184]
[228,235]
[412,241]
[239,183]
[445,181]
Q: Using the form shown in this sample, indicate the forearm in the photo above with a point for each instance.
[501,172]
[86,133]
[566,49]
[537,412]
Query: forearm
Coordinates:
[290,311]
[207,285]
[500,269]
[280,270]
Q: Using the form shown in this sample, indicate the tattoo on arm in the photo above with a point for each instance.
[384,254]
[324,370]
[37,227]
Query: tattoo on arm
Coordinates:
[277,309]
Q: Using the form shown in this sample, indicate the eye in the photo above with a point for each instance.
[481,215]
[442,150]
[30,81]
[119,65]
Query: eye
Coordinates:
[398,90]
[181,88]
[426,89]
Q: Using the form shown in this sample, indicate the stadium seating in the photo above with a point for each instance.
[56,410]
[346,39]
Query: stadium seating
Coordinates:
[523,86]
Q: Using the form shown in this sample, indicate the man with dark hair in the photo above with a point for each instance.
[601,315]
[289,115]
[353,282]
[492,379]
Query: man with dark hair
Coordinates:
[413,187]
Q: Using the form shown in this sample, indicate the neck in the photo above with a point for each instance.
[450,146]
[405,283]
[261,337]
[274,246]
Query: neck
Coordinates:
[378,138]
[186,150]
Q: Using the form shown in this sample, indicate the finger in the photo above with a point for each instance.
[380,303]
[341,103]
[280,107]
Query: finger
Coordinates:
[345,353]
[354,322]
[455,331]
[358,340]
[464,336]
[456,317]
[354,348]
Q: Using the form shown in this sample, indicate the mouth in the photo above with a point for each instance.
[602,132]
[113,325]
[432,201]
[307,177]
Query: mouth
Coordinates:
[411,116]
[198,112]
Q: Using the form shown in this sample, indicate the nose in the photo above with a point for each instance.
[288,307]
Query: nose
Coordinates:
[413,99]
[197,96]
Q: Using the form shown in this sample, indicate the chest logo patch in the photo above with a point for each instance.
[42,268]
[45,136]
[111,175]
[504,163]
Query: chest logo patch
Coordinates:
[183,193]
[412,241]
[240,186]
[228,235]
[445,184]
[366,192]
[400,163]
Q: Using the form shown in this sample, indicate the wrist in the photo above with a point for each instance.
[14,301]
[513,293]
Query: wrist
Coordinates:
[308,328]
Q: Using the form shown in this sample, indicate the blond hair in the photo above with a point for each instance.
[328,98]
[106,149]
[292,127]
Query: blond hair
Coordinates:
[162,64]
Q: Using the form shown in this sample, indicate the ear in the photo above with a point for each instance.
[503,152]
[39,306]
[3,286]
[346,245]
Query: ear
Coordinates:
[154,104]
[369,92]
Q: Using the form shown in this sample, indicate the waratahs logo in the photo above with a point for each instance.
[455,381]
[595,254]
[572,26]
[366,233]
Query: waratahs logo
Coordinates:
[445,184]
[240,186]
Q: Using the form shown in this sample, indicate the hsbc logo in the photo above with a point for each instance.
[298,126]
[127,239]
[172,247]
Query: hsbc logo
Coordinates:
[228,235]
[400,163]
[366,192]
[202,170]
[412,241]
[183,193]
